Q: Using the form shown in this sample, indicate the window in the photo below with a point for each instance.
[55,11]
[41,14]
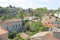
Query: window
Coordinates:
[13,26]
[16,25]
[7,28]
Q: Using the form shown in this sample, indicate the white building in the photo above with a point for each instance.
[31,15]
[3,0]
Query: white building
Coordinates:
[12,25]
[57,15]
[30,18]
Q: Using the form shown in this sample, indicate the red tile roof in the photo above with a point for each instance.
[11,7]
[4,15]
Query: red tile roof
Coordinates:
[24,36]
[2,31]
[47,22]
[9,21]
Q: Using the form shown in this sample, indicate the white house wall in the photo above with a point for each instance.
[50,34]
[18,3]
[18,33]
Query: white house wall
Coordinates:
[59,15]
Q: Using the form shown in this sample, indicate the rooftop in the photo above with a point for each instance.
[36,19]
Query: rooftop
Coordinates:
[44,36]
[40,34]
[2,31]
[9,20]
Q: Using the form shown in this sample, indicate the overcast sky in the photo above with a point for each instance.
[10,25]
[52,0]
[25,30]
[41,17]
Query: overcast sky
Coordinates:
[50,4]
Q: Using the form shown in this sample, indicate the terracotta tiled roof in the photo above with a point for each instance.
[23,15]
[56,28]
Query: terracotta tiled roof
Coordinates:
[2,31]
[40,34]
[49,22]
[24,36]
[49,37]
[8,21]
[43,36]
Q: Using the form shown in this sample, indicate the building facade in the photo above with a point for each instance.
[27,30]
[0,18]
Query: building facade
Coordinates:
[12,25]
[57,15]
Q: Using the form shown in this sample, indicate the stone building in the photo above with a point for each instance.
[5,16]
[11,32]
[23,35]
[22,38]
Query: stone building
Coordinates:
[12,25]
[3,34]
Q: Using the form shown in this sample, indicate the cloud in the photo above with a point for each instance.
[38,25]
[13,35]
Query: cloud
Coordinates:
[31,3]
[45,0]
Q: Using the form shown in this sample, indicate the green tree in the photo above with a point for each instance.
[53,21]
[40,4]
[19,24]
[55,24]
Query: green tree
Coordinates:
[10,6]
[58,9]
[3,17]
[45,9]
[12,35]
[39,12]
[18,37]
[35,26]
[20,14]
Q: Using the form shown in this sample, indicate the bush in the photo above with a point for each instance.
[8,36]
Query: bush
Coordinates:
[12,35]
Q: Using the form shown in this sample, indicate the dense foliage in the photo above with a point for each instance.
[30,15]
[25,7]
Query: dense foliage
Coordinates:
[16,12]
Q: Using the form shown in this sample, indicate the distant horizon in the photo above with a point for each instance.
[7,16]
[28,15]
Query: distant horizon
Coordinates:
[25,4]
[32,8]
